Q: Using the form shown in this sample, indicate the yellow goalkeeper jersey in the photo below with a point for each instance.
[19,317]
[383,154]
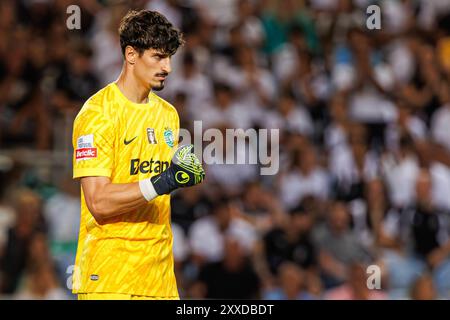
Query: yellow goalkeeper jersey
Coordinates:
[127,142]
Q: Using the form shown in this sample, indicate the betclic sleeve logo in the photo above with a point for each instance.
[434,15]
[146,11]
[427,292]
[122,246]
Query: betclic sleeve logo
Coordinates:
[85,148]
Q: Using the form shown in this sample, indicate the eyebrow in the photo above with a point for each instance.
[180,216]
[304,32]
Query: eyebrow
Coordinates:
[160,55]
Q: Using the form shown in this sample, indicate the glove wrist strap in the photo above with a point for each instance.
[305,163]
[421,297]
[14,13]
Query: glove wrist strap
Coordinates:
[147,189]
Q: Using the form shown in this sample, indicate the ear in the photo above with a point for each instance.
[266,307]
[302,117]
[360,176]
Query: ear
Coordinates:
[130,54]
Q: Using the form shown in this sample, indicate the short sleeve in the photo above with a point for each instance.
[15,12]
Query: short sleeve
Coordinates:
[176,121]
[93,145]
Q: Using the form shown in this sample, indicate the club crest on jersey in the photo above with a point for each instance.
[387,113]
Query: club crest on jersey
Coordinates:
[168,137]
[151,136]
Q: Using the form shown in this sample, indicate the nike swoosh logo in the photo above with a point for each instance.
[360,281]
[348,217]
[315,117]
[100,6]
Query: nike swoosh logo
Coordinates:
[125,141]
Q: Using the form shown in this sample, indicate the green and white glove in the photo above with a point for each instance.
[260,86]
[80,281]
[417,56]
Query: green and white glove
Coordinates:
[185,170]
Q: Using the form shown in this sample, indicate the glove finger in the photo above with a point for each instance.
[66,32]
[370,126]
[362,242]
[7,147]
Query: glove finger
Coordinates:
[182,153]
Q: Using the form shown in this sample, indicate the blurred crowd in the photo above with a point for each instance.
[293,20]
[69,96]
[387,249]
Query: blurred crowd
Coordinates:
[362,115]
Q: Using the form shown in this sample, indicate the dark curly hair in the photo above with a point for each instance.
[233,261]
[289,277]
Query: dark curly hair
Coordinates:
[147,29]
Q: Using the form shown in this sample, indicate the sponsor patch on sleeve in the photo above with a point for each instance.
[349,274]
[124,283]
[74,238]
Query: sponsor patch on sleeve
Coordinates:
[85,148]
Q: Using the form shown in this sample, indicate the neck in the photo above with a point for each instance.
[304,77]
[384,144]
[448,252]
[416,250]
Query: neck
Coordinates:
[131,88]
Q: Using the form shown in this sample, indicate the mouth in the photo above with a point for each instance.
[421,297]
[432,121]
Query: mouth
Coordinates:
[161,77]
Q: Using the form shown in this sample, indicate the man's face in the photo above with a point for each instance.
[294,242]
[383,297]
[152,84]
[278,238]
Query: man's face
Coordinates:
[339,218]
[424,187]
[153,67]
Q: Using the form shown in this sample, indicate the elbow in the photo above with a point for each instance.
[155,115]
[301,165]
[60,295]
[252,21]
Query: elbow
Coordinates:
[98,210]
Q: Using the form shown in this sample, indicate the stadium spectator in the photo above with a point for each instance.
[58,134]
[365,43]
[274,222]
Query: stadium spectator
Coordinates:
[291,241]
[232,277]
[40,280]
[28,221]
[291,284]
[338,247]
[207,234]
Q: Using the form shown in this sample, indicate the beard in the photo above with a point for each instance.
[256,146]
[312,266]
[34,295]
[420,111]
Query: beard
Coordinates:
[161,83]
[158,87]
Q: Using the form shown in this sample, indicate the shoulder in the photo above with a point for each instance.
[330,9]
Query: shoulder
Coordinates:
[99,105]
[168,107]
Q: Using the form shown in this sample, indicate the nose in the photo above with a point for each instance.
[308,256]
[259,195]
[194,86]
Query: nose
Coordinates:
[166,66]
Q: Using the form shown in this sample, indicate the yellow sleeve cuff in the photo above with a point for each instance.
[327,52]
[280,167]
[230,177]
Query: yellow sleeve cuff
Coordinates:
[91,172]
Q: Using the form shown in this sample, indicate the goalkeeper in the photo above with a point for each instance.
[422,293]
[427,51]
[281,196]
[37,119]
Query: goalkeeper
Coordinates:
[126,156]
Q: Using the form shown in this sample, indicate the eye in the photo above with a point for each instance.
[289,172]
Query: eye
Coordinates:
[159,57]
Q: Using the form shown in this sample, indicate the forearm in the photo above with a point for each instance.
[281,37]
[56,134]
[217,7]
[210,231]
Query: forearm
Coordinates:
[124,197]
[106,199]
[113,199]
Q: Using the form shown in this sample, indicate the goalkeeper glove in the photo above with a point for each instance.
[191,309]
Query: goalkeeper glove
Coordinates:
[185,170]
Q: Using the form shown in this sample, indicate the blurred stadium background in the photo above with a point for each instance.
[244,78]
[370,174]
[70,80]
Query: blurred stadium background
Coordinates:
[364,118]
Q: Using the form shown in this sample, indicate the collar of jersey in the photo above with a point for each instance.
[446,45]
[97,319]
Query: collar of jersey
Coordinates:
[131,103]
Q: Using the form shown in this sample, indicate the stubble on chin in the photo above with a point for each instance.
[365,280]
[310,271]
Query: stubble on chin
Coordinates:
[158,87]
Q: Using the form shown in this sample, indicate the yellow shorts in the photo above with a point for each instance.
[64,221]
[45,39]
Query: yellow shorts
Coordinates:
[119,296]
